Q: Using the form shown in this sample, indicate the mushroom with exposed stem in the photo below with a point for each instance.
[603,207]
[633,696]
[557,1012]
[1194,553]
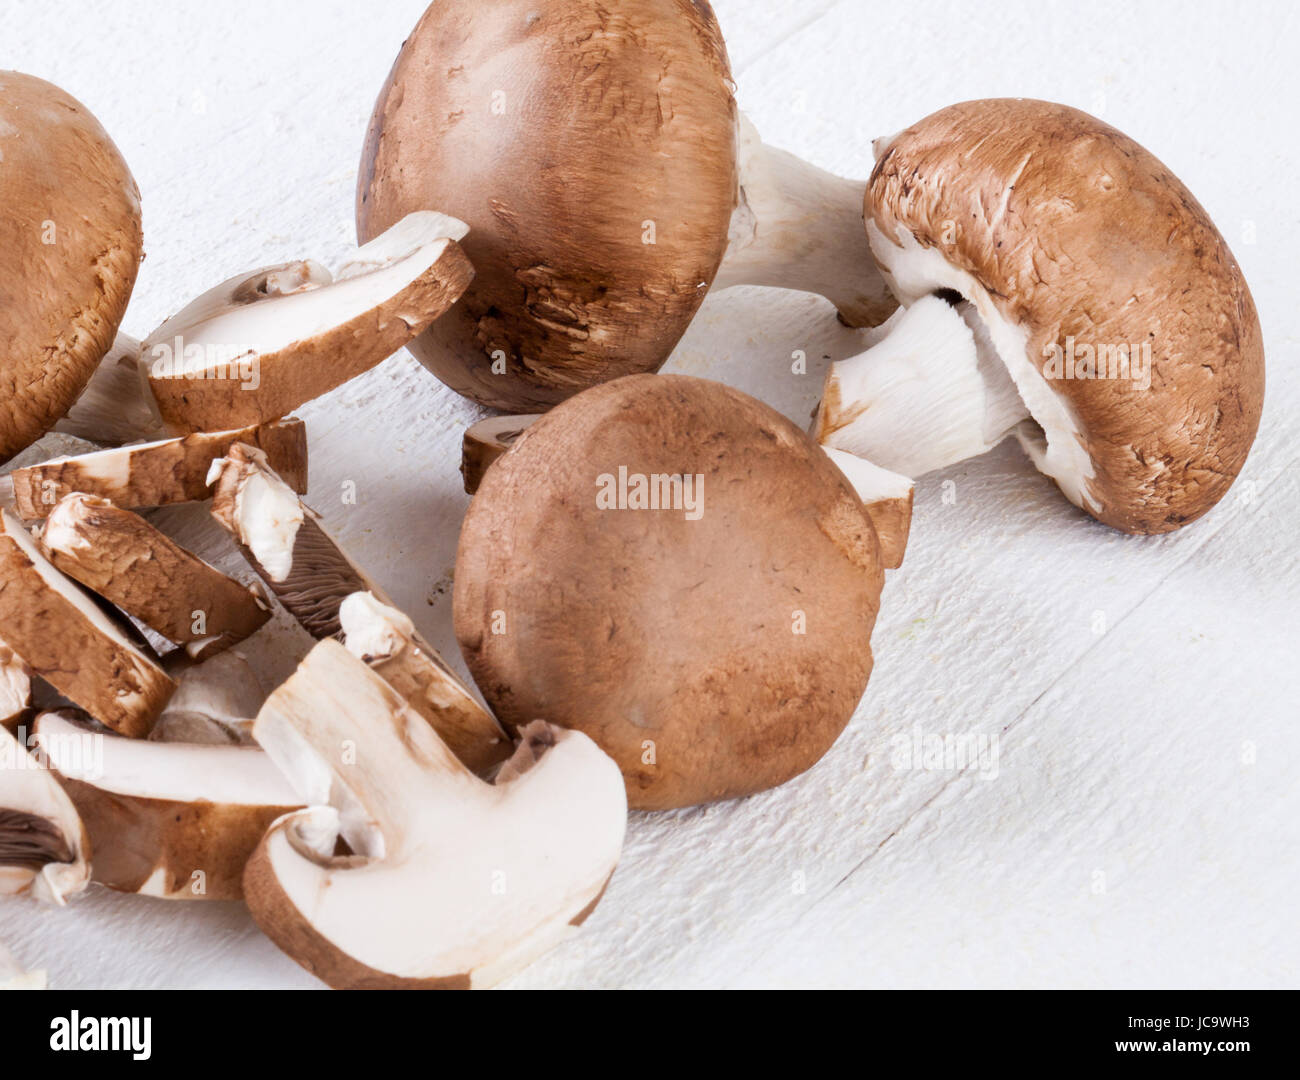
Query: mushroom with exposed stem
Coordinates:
[677,570]
[70,246]
[407,871]
[146,574]
[67,639]
[886,496]
[312,577]
[1063,287]
[44,847]
[599,216]
[168,819]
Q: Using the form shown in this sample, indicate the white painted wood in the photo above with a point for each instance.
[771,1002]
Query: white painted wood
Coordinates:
[1141,828]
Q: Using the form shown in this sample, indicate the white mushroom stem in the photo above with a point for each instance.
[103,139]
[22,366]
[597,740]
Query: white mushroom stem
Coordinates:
[796,226]
[15,687]
[930,393]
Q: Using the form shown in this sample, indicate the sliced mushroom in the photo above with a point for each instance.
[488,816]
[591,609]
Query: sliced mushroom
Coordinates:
[486,441]
[448,882]
[128,562]
[166,819]
[15,688]
[63,636]
[44,848]
[886,496]
[1106,324]
[674,568]
[259,345]
[599,216]
[70,246]
[312,576]
[157,473]
[385,638]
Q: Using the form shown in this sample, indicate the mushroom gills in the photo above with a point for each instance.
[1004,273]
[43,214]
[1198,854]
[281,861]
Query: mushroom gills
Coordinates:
[44,849]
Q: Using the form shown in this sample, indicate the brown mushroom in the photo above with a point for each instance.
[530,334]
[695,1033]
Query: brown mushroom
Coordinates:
[15,688]
[259,345]
[312,577]
[886,496]
[675,569]
[133,565]
[1062,286]
[156,473]
[70,246]
[64,637]
[167,819]
[595,152]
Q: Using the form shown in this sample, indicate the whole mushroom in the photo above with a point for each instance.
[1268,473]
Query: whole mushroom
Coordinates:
[676,570]
[70,246]
[1062,286]
[597,155]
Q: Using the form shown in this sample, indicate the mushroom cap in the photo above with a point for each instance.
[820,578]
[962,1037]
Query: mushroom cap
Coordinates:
[711,658]
[561,133]
[1074,230]
[70,246]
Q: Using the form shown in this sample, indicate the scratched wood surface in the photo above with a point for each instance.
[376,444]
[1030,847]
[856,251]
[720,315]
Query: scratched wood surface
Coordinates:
[1138,825]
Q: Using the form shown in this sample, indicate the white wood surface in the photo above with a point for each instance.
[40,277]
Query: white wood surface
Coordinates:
[1142,826]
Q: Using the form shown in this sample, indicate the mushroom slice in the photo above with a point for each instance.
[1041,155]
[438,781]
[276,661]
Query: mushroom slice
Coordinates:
[128,562]
[15,688]
[385,639]
[675,569]
[596,229]
[486,441]
[44,848]
[70,246]
[1105,323]
[449,882]
[259,345]
[165,819]
[887,498]
[14,977]
[64,637]
[157,473]
[312,577]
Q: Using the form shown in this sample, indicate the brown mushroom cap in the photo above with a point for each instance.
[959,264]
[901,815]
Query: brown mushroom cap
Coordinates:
[711,657]
[602,119]
[70,246]
[1074,230]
